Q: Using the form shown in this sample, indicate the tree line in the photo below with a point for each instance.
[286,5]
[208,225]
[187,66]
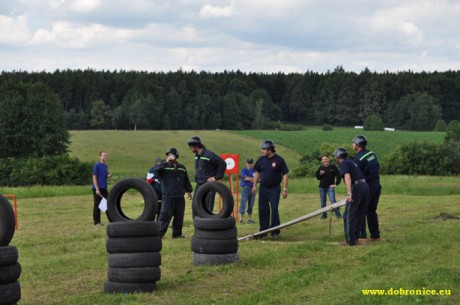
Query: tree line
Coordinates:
[236,100]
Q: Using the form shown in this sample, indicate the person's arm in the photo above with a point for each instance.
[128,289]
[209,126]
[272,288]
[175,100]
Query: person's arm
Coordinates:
[96,185]
[347,179]
[256,179]
[319,176]
[285,186]
[221,167]
[338,178]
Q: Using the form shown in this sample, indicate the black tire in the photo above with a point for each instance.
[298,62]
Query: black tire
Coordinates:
[134,260]
[199,200]
[8,255]
[134,275]
[134,244]
[7,224]
[111,287]
[10,273]
[214,223]
[114,212]
[208,246]
[199,259]
[10,293]
[133,229]
[219,234]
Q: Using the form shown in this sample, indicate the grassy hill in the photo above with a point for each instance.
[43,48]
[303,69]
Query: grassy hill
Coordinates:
[310,139]
[132,153]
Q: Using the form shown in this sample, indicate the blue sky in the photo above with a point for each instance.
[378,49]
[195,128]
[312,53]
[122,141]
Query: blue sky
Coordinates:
[252,36]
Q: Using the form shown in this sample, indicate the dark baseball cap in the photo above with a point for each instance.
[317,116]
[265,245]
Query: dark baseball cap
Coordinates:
[249,160]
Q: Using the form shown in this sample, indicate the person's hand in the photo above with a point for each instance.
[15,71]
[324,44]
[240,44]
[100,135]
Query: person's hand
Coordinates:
[349,198]
[211,179]
[321,172]
[98,192]
[109,175]
[254,189]
[189,196]
[170,158]
[284,194]
[332,185]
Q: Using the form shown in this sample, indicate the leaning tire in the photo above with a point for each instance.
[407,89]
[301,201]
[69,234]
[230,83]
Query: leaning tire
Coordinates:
[134,275]
[6,222]
[10,293]
[199,259]
[113,287]
[10,273]
[219,234]
[214,223]
[8,255]
[199,200]
[114,211]
[134,260]
[133,229]
[134,244]
[223,246]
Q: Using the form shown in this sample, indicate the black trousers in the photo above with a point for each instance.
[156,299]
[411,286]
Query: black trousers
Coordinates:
[97,200]
[354,212]
[172,207]
[375,189]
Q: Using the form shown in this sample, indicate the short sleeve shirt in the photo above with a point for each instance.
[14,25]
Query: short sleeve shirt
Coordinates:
[271,170]
[101,171]
[349,167]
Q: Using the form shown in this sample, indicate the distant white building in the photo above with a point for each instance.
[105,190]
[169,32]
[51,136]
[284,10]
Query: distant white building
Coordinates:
[359,127]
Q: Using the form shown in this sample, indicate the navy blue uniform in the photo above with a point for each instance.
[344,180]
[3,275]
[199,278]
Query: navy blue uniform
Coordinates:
[208,164]
[354,211]
[369,165]
[271,172]
[174,184]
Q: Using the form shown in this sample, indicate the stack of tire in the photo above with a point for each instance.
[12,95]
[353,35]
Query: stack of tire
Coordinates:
[134,256]
[215,240]
[10,269]
[133,246]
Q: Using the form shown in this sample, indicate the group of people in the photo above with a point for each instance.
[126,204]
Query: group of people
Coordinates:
[362,181]
[270,173]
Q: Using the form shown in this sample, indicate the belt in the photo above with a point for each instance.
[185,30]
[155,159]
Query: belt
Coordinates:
[360,181]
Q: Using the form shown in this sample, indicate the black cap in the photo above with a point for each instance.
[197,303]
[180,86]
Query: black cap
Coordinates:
[249,160]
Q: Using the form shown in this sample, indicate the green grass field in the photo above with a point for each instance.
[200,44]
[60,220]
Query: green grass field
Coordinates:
[64,259]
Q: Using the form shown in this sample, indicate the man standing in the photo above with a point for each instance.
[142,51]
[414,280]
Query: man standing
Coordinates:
[99,185]
[247,197]
[357,192]
[156,184]
[369,165]
[209,168]
[270,169]
[174,184]
[329,177]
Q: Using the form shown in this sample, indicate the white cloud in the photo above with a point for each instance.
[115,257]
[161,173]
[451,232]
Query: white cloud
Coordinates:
[14,29]
[209,11]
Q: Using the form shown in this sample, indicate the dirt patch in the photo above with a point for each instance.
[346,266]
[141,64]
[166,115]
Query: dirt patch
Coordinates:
[446,216]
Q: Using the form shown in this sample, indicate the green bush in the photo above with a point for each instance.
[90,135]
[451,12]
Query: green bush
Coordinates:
[327,127]
[416,158]
[373,123]
[440,126]
[50,170]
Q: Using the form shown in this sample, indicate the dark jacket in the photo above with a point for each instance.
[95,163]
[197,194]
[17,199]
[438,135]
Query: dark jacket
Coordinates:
[208,164]
[331,173]
[174,179]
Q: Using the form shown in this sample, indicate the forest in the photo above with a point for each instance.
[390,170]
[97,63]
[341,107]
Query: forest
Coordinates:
[236,100]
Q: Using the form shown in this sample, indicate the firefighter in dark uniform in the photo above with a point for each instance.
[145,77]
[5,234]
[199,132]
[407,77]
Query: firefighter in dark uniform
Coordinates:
[357,192]
[174,184]
[209,168]
[369,166]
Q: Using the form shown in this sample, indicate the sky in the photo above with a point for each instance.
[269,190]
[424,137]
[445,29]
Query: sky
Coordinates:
[262,36]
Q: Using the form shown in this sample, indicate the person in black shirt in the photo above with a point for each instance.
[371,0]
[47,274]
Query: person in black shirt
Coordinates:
[209,168]
[329,177]
[270,170]
[174,184]
[368,163]
[357,192]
